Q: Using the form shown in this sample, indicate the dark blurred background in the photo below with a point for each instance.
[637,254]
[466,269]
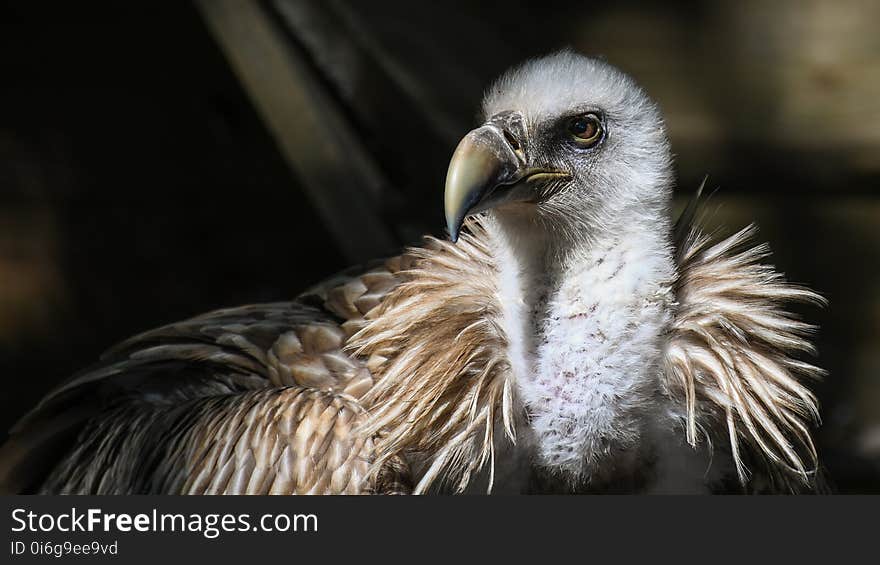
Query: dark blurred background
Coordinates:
[158,160]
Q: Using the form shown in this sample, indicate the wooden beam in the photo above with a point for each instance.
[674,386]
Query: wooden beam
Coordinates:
[321,148]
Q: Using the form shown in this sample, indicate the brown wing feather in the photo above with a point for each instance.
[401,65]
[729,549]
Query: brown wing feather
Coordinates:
[287,440]
[221,394]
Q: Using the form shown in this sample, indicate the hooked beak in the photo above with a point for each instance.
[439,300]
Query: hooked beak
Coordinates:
[486,172]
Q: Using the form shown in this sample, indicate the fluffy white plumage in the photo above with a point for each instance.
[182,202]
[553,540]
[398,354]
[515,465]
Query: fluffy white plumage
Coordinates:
[592,282]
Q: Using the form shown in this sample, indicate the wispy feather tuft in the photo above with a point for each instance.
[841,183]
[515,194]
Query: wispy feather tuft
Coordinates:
[732,353]
[445,378]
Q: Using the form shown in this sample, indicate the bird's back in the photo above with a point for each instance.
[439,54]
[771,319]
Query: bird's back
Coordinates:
[256,399]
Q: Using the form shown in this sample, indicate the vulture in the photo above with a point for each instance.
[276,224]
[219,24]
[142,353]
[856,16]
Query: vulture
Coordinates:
[566,337]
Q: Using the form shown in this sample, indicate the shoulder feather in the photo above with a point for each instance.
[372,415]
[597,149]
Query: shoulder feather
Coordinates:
[733,353]
[442,374]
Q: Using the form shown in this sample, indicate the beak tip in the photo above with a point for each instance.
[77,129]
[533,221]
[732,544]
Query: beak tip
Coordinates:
[453,230]
[482,161]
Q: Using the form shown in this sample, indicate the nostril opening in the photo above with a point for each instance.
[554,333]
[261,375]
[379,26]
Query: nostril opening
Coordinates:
[511,140]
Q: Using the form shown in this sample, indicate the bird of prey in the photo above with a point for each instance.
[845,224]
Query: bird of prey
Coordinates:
[567,337]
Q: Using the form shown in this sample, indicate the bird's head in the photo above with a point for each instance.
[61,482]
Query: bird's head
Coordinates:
[568,143]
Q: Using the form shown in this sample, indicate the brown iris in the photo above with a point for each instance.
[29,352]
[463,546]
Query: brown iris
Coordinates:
[586,130]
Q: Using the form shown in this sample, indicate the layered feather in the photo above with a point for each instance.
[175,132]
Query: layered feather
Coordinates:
[252,400]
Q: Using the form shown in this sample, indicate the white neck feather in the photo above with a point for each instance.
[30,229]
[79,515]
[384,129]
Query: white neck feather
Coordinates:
[585,320]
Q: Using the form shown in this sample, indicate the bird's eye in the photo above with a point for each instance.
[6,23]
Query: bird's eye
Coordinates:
[585,130]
